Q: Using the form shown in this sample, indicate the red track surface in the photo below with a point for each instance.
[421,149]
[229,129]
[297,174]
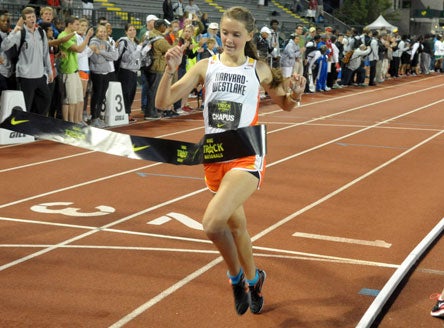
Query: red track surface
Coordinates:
[363,164]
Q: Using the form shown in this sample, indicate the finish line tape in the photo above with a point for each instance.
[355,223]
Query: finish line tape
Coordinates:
[217,147]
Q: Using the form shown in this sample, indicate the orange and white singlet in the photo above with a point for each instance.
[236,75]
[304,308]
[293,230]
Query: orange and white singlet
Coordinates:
[229,103]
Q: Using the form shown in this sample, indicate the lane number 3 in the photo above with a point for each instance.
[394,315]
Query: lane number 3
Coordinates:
[64,209]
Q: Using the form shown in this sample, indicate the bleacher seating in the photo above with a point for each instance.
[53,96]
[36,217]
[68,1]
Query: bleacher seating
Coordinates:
[263,14]
[119,12]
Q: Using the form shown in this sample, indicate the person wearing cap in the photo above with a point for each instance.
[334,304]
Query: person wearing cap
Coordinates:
[155,71]
[144,34]
[263,46]
[213,29]
[149,26]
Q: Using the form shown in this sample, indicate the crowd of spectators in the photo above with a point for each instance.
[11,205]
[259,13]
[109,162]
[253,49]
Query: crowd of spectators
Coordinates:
[61,65]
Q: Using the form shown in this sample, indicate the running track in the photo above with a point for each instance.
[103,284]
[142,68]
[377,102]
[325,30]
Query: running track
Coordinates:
[354,181]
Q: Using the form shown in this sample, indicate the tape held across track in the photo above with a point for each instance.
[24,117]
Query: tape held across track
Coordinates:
[211,148]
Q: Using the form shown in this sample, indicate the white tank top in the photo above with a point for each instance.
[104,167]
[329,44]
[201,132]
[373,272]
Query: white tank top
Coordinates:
[231,96]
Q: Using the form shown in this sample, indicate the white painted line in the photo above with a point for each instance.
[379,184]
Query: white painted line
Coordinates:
[166,293]
[45,162]
[314,256]
[108,177]
[128,232]
[354,94]
[295,255]
[376,243]
[391,285]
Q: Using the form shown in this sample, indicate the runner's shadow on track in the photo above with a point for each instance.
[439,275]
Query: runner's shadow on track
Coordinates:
[293,319]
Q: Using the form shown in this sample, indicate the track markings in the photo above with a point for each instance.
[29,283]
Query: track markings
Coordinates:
[344,144]
[376,243]
[369,292]
[62,208]
[186,220]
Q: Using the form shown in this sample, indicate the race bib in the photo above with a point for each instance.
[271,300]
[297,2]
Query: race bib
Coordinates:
[224,114]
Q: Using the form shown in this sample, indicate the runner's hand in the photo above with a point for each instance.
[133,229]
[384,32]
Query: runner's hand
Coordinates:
[297,84]
[173,57]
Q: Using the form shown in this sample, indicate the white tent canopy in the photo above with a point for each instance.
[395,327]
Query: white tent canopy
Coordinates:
[379,23]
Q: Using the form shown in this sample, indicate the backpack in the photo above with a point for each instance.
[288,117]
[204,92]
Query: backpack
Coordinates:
[147,61]
[14,52]
[357,43]
[348,55]
[119,60]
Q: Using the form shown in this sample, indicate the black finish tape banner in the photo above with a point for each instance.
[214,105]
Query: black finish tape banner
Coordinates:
[212,148]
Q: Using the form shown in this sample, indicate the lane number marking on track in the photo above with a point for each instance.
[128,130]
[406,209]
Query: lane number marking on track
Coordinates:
[62,208]
[185,220]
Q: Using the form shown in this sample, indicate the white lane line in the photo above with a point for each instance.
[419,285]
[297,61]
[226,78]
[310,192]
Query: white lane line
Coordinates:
[296,255]
[45,162]
[383,296]
[120,231]
[375,243]
[78,185]
[344,144]
[360,94]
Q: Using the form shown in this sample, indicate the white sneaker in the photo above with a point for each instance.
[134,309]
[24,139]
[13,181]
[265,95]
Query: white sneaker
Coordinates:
[98,123]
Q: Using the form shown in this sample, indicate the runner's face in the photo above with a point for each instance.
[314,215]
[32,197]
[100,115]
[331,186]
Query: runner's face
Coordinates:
[234,35]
